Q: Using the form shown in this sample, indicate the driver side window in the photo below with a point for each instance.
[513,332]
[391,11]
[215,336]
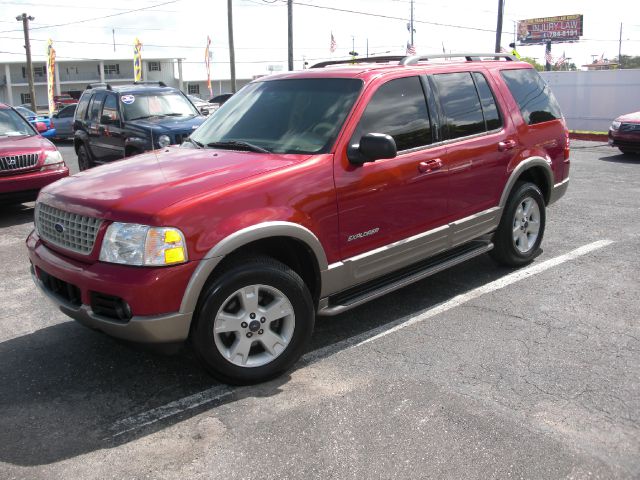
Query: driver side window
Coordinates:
[110,108]
[399,109]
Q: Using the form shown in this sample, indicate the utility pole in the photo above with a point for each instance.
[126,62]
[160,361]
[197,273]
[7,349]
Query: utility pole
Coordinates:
[290,33]
[412,30]
[232,53]
[113,33]
[620,48]
[499,26]
[24,18]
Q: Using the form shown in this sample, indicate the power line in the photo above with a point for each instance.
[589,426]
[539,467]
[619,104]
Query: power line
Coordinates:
[90,7]
[98,18]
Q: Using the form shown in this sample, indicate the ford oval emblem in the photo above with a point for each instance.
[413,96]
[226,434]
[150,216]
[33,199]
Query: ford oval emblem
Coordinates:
[58,228]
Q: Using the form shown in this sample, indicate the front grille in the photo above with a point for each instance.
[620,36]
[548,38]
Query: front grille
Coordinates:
[630,127]
[67,291]
[18,162]
[67,230]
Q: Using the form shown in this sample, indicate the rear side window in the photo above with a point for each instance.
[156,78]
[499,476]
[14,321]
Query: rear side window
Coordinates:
[533,96]
[460,104]
[398,109]
[489,109]
[81,109]
[95,107]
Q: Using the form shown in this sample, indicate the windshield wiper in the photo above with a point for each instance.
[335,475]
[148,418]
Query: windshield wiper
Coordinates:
[237,145]
[143,117]
[195,142]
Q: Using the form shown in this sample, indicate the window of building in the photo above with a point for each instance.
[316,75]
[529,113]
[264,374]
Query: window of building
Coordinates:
[25,98]
[113,69]
[154,66]
[37,71]
[460,104]
[193,89]
[398,109]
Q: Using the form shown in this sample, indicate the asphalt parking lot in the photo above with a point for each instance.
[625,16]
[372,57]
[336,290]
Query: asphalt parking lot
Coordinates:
[477,372]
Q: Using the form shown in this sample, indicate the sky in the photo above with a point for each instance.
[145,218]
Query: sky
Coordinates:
[179,28]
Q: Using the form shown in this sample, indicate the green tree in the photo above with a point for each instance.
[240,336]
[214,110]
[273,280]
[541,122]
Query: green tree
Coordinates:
[539,67]
[628,61]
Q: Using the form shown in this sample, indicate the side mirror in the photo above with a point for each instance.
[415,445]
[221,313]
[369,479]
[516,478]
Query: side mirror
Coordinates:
[372,147]
[41,127]
[107,120]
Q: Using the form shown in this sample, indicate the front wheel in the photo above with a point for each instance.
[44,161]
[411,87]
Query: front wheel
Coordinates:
[253,322]
[84,159]
[519,235]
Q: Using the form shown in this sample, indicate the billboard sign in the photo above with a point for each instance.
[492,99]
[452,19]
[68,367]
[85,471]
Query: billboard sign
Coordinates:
[567,28]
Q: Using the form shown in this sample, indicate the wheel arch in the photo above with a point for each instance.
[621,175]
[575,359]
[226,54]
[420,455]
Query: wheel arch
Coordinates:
[289,243]
[536,170]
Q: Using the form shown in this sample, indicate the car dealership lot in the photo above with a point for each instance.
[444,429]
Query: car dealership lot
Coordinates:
[477,372]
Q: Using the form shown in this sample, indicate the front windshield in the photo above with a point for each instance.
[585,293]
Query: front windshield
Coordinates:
[13,125]
[26,112]
[283,116]
[138,106]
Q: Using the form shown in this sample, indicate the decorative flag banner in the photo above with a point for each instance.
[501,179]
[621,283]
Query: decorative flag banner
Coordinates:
[207,64]
[561,61]
[333,44]
[137,61]
[548,57]
[411,49]
[51,68]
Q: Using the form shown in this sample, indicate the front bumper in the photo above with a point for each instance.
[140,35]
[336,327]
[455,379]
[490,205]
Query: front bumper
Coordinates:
[49,133]
[153,294]
[628,140]
[28,184]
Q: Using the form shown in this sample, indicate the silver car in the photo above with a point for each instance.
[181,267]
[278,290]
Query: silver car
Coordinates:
[63,122]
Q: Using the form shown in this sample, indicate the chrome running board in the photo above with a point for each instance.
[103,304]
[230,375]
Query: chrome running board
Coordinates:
[355,296]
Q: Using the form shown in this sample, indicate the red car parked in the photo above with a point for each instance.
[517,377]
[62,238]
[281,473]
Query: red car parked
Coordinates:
[307,192]
[624,133]
[28,162]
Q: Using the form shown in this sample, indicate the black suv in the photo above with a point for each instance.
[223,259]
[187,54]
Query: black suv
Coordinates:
[113,122]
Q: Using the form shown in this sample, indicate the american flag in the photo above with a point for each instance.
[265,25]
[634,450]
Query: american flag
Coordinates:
[333,44]
[561,61]
[548,57]
[411,49]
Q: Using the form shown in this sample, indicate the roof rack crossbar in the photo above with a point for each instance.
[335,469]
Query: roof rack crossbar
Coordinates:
[99,85]
[380,59]
[159,83]
[470,57]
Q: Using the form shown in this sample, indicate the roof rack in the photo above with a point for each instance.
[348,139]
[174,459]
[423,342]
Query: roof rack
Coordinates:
[414,59]
[159,83]
[99,85]
[384,59]
[470,57]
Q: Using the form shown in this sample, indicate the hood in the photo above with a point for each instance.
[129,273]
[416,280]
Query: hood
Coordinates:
[20,145]
[139,188]
[630,118]
[168,124]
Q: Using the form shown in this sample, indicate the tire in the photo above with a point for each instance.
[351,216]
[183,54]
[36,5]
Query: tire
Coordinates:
[84,158]
[263,315]
[519,235]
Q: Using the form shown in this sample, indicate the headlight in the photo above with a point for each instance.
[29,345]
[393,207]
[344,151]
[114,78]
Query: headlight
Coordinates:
[51,157]
[615,125]
[163,141]
[133,244]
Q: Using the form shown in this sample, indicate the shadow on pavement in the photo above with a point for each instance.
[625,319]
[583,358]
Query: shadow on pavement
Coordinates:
[64,387]
[622,158]
[16,214]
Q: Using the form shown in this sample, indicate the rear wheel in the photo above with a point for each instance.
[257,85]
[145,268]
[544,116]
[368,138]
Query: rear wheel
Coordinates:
[84,158]
[519,235]
[253,322]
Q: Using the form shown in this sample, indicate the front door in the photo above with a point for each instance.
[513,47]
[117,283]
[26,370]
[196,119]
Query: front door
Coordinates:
[112,138]
[390,203]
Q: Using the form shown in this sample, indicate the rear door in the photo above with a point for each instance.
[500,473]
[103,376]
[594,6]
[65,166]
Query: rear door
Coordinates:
[480,142]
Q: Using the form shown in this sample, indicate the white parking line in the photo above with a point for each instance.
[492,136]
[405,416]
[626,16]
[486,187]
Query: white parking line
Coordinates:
[220,391]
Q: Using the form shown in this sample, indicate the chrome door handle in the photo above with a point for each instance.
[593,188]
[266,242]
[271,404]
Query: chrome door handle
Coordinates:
[506,145]
[429,165]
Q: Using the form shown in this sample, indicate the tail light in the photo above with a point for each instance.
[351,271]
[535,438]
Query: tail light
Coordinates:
[567,145]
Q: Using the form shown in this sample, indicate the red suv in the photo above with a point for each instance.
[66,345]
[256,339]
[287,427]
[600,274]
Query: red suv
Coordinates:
[28,162]
[306,193]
